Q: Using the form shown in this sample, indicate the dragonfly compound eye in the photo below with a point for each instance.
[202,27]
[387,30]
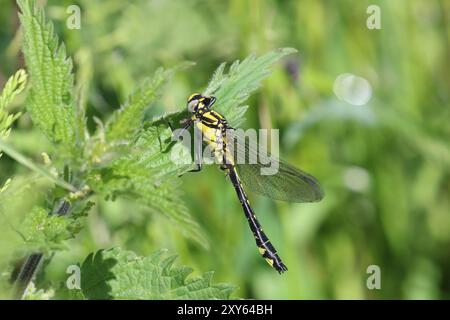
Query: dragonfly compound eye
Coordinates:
[192,105]
[193,101]
[208,101]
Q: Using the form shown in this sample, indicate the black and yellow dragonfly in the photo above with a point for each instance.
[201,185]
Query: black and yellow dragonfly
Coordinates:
[288,184]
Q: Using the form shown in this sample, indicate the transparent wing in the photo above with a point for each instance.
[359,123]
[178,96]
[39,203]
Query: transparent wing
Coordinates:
[267,175]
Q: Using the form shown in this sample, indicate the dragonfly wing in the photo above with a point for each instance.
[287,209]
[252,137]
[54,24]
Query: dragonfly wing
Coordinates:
[287,183]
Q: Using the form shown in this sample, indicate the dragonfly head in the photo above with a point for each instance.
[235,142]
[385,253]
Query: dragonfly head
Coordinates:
[197,102]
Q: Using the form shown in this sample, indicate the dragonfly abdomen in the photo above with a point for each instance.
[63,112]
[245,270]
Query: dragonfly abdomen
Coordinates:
[265,247]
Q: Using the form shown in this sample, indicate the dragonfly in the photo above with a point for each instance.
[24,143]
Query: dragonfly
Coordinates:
[288,184]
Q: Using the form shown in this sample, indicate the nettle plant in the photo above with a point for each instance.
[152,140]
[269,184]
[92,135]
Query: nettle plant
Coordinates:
[125,157]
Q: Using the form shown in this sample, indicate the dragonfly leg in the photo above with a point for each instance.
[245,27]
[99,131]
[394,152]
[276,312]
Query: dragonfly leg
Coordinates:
[198,167]
[170,125]
[224,168]
[186,123]
[198,149]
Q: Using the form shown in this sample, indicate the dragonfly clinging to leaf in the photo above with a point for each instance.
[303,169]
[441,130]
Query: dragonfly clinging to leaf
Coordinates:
[288,184]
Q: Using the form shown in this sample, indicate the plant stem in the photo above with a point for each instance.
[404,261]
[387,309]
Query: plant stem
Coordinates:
[10,151]
[26,274]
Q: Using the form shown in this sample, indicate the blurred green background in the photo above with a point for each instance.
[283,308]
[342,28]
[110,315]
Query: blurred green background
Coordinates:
[384,164]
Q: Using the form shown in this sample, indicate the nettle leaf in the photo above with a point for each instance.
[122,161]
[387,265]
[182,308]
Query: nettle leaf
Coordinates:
[119,274]
[50,102]
[47,232]
[127,121]
[13,87]
[149,173]
[233,88]
[158,159]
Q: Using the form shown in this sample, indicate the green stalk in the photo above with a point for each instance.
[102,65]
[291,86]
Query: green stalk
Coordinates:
[10,151]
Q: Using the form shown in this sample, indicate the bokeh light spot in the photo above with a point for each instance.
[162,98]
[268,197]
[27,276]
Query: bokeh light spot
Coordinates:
[352,89]
[356,179]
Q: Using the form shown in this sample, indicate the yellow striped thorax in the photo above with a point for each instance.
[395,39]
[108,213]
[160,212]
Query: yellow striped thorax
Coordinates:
[206,120]
[209,122]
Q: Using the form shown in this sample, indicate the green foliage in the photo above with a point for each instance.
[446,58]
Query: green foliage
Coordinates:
[148,174]
[33,293]
[15,206]
[123,158]
[126,122]
[50,101]
[43,171]
[47,233]
[234,88]
[13,87]
[114,161]
[384,165]
[119,274]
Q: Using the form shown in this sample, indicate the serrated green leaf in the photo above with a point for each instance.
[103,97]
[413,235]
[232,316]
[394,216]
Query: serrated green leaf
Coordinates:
[149,174]
[45,232]
[127,121]
[118,274]
[50,103]
[64,293]
[147,170]
[233,88]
